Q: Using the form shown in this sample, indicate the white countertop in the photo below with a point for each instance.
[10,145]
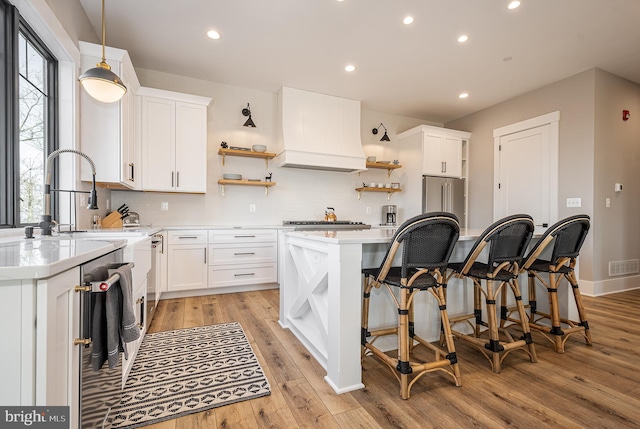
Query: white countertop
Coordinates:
[364,236]
[41,258]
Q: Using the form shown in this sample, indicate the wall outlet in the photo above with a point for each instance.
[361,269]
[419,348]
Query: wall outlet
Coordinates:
[607,202]
[368,210]
[574,202]
[164,206]
[108,205]
[252,208]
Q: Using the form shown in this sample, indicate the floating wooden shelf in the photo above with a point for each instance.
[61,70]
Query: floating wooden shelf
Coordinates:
[247,154]
[384,165]
[223,182]
[389,191]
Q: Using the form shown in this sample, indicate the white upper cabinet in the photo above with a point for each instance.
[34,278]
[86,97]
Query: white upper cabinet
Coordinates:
[107,130]
[174,141]
[442,150]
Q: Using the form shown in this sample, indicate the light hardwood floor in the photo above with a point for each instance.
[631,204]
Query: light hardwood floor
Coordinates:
[587,387]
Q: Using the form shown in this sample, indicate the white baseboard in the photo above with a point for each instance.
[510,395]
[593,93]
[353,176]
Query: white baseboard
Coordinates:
[217,291]
[609,286]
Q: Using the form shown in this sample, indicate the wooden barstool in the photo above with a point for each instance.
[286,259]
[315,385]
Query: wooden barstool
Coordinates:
[567,237]
[507,241]
[427,241]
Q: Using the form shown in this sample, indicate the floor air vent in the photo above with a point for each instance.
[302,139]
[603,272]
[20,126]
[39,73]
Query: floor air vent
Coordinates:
[620,268]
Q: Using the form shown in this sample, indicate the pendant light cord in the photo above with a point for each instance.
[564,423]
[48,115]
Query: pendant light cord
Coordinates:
[103,33]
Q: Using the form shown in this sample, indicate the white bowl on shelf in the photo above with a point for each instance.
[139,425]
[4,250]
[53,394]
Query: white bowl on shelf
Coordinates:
[259,148]
[229,176]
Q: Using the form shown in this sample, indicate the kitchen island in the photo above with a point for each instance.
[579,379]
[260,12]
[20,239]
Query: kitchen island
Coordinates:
[321,295]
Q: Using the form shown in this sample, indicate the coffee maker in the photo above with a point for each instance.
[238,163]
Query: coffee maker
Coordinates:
[389,214]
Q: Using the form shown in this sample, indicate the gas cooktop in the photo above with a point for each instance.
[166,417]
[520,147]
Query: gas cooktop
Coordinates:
[309,225]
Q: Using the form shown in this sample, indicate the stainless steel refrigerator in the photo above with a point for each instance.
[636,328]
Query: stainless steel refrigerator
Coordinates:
[444,194]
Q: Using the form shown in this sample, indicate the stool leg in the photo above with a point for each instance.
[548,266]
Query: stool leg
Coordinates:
[403,344]
[364,330]
[447,334]
[494,336]
[556,329]
[515,287]
[571,278]
[477,306]
[411,326]
[533,303]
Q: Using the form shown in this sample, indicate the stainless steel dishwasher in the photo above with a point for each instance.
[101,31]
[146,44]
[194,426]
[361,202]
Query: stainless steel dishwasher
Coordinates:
[99,390]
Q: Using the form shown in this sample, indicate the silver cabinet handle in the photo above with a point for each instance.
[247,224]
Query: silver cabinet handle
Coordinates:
[244,236]
[244,253]
[445,166]
[172,173]
[131,172]
[187,236]
[178,179]
[205,255]
[247,274]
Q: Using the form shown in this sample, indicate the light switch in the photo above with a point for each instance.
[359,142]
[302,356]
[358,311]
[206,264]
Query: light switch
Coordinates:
[164,206]
[574,202]
[607,202]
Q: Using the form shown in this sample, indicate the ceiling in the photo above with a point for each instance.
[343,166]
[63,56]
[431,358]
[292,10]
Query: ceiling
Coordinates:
[415,70]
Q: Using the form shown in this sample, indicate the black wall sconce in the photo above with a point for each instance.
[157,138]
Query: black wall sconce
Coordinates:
[247,112]
[385,137]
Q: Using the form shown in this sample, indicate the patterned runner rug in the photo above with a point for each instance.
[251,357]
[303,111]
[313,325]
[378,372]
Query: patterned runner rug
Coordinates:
[187,371]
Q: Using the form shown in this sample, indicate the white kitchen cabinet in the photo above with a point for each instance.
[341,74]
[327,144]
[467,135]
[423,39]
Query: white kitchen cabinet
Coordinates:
[174,141]
[187,260]
[107,130]
[57,360]
[442,150]
[239,257]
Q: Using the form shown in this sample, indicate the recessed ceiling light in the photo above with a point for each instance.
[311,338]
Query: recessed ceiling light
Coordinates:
[213,34]
[463,95]
[514,4]
[350,68]
[407,20]
[463,38]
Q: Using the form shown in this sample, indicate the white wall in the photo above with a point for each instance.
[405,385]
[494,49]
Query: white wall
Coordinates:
[298,194]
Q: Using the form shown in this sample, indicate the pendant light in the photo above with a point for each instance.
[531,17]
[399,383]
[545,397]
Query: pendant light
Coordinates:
[100,82]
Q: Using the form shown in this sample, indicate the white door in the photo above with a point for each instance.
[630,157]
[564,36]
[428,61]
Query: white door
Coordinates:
[526,175]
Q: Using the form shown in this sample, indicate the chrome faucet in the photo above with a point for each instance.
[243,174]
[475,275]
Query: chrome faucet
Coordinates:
[46,223]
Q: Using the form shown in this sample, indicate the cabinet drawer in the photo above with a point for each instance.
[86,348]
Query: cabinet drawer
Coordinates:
[243,236]
[234,254]
[188,237]
[242,275]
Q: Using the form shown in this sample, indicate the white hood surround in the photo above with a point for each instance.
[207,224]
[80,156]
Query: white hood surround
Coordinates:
[319,132]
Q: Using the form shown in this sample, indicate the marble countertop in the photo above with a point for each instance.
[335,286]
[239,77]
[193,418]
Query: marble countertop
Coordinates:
[42,258]
[367,236]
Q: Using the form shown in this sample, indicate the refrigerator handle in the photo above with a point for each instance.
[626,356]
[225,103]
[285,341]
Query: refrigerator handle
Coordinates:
[443,199]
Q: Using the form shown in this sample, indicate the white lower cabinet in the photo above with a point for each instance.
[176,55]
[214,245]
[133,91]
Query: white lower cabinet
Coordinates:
[187,260]
[242,257]
[57,325]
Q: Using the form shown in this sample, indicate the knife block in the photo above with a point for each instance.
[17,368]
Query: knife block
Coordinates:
[112,220]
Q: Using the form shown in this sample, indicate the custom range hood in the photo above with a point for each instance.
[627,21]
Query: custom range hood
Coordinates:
[319,132]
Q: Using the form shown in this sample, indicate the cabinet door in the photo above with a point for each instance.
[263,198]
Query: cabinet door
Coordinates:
[442,156]
[158,144]
[100,131]
[451,151]
[187,267]
[432,155]
[191,148]
[57,359]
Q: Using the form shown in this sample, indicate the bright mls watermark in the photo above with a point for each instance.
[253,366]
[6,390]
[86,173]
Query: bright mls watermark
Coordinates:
[34,417]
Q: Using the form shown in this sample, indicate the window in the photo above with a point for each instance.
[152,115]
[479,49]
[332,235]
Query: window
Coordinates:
[29,125]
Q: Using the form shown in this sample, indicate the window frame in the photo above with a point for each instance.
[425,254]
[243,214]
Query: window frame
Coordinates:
[11,25]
